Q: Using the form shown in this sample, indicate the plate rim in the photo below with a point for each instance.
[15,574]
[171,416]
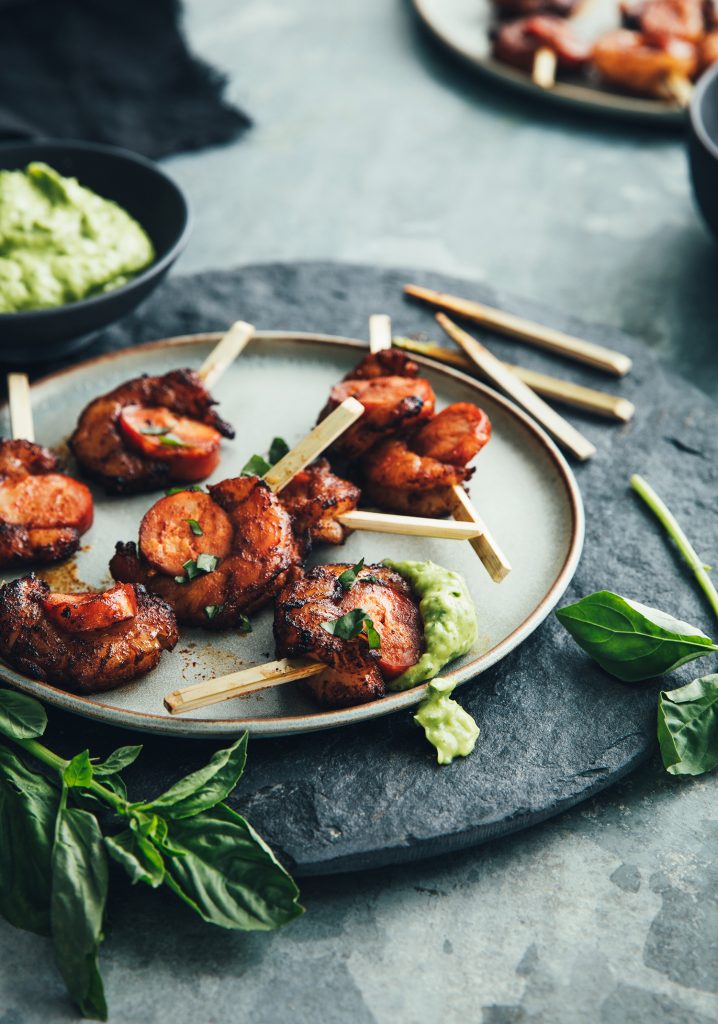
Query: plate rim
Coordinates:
[562,93]
[204,728]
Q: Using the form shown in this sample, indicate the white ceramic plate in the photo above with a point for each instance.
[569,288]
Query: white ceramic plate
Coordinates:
[523,486]
[464,26]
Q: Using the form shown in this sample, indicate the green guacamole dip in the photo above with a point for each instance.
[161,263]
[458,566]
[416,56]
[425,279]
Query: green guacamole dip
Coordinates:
[447,726]
[59,242]
[448,614]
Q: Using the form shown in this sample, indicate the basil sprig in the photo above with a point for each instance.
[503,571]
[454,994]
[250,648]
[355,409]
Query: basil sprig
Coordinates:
[353,624]
[257,465]
[629,640]
[688,727]
[198,566]
[348,578]
[53,855]
[195,527]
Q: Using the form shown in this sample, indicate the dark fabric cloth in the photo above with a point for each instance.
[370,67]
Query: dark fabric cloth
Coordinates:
[108,72]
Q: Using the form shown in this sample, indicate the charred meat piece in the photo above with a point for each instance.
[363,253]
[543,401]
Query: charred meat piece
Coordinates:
[631,61]
[661,20]
[416,475]
[389,362]
[392,404]
[213,557]
[43,513]
[150,432]
[355,674]
[517,42]
[86,643]
[314,498]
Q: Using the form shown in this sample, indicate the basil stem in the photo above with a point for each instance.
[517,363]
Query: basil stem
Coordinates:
[673,528]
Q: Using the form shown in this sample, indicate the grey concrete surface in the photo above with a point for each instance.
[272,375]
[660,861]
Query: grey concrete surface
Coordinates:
[370,146]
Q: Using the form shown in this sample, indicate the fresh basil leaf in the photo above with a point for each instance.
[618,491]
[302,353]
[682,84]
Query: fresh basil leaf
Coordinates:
[186,487]
[228,875]
[629,640]
[195,528]
[688,727]
[79,771]
[277,450]
[204,788]
[210,610]
[256,466]
[21,717]
[351,624]
[244,624]
[181,579]
[117,761]
[207,563]
[373,638]
[150,431]
[139,857]
[169,441]
[28,808]
[79,891]
[348,578]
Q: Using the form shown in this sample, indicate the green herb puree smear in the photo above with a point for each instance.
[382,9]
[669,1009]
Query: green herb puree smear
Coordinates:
[448,614]
[59,242]
[447,726]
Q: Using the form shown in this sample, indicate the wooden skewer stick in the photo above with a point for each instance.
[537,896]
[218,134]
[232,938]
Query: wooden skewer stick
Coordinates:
[492,557]
[679,89]
[543,72]
[316,441]
[409,526]
[515,326]
[18,392]
[557,426]
[225,352]
[237,684]
[600,402]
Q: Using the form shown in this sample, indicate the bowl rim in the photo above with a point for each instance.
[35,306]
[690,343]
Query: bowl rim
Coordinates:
[157,267]
[697,123]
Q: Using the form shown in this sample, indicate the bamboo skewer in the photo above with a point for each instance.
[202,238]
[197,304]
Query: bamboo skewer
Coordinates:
[517,327]
[237,684]
[679,89]
[409,526]
[225,352]
[316,441]
[600,402]
[557,426]
[20,405]
[492,557]
[543,72]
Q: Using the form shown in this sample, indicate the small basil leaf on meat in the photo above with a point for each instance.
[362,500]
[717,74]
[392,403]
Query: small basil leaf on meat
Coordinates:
[688,727]
[243,623]
[170,441]
[79,892]
[351,625]
[204,563]
[149,430]
[179,490]
[348,578]
[629,640]
[204,788]
[195,528]
[117,761]
[21,717]
[79,771]
[256,466]
[138,856]
[277,450]
[228,875]
[28,809]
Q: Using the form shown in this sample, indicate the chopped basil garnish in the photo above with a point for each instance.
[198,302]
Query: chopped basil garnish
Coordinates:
[197,566]
[172,442]
[150,431]
[179,490]
[348,578]
[245,626]
[258,465]
[277,450]
[195,528]
[350,625]
[210,610]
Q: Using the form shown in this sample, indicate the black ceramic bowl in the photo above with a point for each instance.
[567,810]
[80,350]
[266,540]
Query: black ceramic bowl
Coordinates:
[703,146]
[146,192]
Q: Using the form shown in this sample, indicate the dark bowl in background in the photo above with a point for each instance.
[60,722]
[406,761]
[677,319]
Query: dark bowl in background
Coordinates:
[703,146]
[147,193]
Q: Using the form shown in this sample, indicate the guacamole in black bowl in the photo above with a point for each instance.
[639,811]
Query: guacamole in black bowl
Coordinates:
[86,232]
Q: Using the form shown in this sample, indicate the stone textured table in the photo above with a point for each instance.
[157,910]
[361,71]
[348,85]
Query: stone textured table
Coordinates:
[609,913]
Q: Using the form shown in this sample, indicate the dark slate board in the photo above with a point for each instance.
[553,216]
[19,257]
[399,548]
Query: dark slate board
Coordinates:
[554,728]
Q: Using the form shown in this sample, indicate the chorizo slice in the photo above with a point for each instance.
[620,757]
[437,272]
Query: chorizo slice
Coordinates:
[47,501]
[180,527]
[390,404]
[80,613]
